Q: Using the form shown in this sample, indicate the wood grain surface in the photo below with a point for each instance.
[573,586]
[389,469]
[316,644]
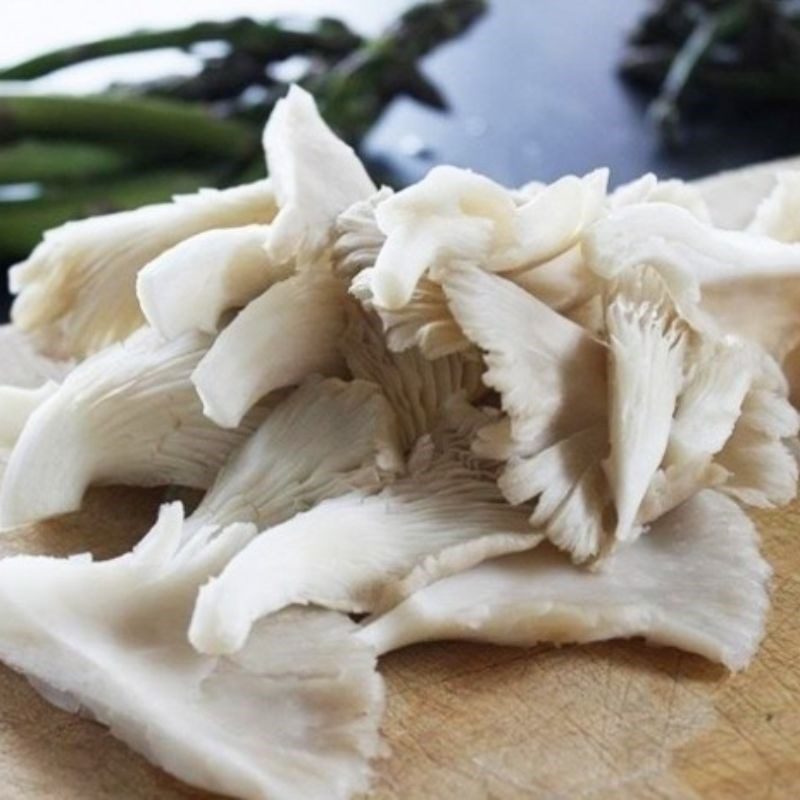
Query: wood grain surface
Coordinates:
[614,720]
[464,721]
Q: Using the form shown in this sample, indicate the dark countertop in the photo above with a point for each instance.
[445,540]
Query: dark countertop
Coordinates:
[534,94]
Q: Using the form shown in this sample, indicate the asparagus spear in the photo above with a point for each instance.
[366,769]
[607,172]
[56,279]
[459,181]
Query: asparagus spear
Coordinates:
[716,49]
[42,161]
[356,91]
[710,28]
[155,125]
[268,41]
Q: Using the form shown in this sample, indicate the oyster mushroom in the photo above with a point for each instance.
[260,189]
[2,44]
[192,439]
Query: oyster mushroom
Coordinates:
[778,214]
[696,581]
[722,271]
[418,389]
[295,712]
[455,215]
[594,429]
[528,345]
[288,333]
[354,552]
[18,403]
[324,439]
[425,321]
[190,286]
[128,414]
[649,189]
[646,356]
[76,293]
[314,175]
[27,379]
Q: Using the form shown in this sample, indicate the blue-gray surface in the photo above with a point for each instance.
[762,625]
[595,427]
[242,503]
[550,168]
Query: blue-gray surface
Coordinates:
[535,94]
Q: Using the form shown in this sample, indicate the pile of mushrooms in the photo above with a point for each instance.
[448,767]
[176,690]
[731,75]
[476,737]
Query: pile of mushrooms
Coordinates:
[457,411]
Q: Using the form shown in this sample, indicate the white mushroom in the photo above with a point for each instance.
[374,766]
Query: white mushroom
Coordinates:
[288,333]
[326,438]
[358,239]
[355,552]
[451,214]
[571,490]
[454,215]
[17,404]
[763,470]
[316,176]
[190,286]
[750,283]
[294,713]
[128,414]
[27,379]
[553,219]
[77,290]
[697,582]
[646,353]
[425,321]
[418,389]
[649,189]
[778,214]
[551,375]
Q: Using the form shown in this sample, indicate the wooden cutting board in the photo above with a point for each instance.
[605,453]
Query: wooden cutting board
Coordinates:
[615,720]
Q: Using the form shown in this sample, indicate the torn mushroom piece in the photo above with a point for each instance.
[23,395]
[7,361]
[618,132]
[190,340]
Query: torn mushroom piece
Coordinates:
[778,214]
[425,321]
[551,377]
[763,470]
[609,437]
[77,290]
[732,429]
[646,356]
[360,552]
[419,390]
[454,215]
[288,333]
[128,414]
[649,189]
[316,177]
[750,283]
[190,286]
[17,404]
[27,379]
[550,374]
[294,713]
[326,438]
[696,581]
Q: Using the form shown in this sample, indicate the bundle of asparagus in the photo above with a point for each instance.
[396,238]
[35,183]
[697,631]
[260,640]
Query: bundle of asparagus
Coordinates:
[699,50]
[141,143]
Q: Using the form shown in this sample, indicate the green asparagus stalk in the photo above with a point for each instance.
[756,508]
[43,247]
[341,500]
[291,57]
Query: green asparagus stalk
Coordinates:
[710,28]
[356,91]
[715,49]
[54,161]
[155,125]
[269,41]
